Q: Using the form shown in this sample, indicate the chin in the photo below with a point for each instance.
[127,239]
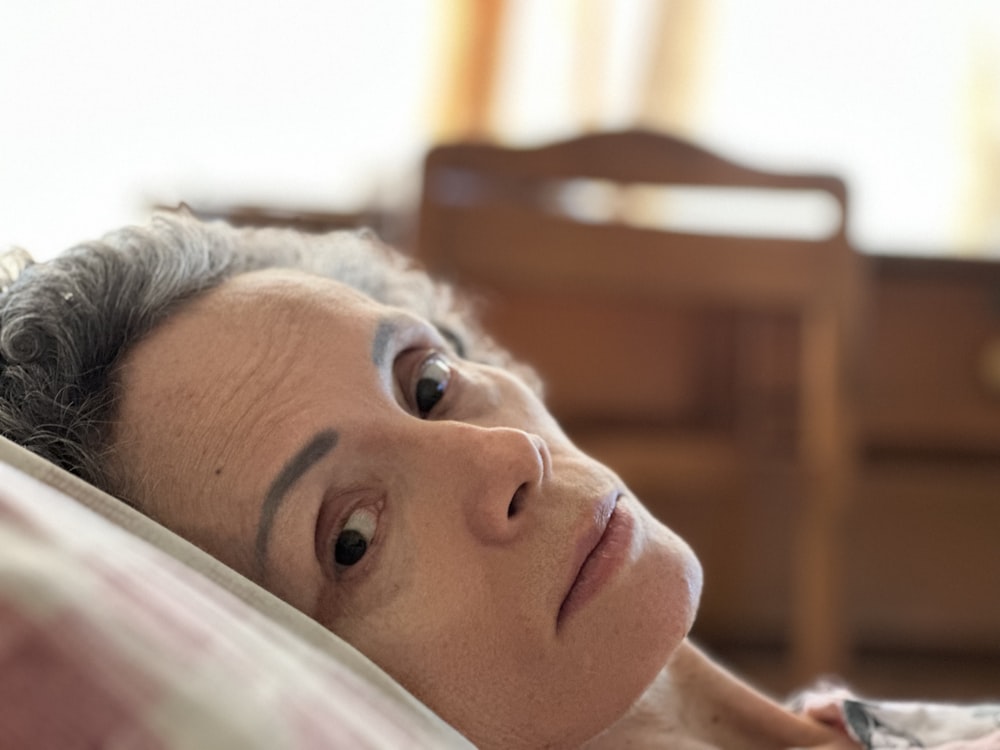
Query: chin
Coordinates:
[668,577]
[618,648]
[678,557]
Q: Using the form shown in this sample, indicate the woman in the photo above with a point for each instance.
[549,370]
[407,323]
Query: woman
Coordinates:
[323,418]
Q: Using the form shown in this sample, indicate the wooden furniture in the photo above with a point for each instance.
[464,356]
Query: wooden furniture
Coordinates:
[922,593]
[923,555]
[713,371]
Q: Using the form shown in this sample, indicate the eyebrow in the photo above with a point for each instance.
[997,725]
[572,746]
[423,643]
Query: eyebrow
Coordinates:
[318,446]
[384,334]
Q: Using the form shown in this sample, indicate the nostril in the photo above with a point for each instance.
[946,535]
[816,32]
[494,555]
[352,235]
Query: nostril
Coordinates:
[517,501]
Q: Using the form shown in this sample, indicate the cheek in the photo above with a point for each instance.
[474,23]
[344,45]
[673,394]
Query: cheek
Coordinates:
[438,646]
[466,645]
[470,673]
[462,644]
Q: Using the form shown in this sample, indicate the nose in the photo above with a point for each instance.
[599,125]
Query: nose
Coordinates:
[495,474]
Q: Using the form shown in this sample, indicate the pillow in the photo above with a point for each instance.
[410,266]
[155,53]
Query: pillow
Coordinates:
[116,632]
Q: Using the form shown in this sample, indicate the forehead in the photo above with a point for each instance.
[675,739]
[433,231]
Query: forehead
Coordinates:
[253,325]
[280,292]
[202,392]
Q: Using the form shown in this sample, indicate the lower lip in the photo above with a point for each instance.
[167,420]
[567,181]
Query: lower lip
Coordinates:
[602,563]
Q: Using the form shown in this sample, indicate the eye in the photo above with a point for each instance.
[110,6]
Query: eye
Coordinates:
[353,540]
[432,382]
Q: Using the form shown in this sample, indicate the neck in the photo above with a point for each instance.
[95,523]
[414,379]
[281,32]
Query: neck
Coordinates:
[696,704]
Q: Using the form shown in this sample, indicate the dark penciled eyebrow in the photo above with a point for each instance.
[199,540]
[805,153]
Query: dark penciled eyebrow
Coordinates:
[320,445]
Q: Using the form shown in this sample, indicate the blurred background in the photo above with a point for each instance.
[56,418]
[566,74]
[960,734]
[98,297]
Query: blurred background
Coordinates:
[320,113]
[110,106]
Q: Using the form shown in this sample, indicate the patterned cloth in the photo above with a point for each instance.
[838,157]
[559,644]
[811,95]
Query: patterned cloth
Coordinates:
[106,641]
[898,725]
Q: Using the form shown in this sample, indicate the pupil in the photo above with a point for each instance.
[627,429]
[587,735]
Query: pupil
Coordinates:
[428,393]
[350,547]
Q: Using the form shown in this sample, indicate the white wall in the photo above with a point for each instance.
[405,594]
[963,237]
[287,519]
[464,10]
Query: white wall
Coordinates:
[111,105]
[878,91]
[881,92]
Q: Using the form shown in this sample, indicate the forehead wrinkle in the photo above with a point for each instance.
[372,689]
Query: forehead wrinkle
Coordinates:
[221,389]
[259,395]
[267,366]
[207,426]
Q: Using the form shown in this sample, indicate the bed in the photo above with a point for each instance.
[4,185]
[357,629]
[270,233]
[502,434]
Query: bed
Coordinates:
[114,632]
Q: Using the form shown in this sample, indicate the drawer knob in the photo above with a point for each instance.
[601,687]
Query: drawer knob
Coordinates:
[989,366]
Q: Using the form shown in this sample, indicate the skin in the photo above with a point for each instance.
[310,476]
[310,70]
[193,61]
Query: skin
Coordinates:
[266,413]
[694,704]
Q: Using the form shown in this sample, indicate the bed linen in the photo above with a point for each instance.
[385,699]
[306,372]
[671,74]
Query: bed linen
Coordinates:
[899,725]
[115,632]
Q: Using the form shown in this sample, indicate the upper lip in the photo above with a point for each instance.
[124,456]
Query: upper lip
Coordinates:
[595,524]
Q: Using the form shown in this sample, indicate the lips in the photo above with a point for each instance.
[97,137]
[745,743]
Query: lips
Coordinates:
[600,552]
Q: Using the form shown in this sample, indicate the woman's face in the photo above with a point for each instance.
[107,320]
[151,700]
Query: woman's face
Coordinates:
[425,508]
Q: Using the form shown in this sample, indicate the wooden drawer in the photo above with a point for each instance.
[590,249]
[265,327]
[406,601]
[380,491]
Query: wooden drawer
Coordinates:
[923,568]
[932,375]
[616,361]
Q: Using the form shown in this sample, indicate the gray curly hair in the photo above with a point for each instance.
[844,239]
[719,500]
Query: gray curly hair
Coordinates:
[65,325]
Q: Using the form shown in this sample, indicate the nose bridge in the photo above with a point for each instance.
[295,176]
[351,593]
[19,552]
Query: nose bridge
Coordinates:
[507,449]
